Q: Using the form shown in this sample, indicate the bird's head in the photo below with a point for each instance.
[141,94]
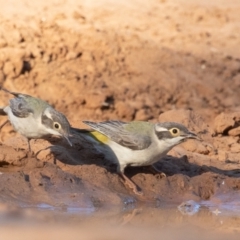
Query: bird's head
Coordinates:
[56,123]
[173,133]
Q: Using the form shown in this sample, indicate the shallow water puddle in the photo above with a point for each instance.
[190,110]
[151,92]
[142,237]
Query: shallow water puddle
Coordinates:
[224,204]
[218,218]
[66,209]
[227,205]
[219,205]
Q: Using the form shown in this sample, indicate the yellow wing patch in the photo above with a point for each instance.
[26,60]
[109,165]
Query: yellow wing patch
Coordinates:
[99,137]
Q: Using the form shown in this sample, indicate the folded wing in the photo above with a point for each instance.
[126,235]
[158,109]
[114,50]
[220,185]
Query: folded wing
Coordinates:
[126,134]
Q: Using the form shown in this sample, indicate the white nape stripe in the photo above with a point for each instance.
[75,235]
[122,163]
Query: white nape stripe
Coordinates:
[160,129]
[47,113]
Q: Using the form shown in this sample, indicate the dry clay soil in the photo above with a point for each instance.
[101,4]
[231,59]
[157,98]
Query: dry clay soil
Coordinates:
[140,60]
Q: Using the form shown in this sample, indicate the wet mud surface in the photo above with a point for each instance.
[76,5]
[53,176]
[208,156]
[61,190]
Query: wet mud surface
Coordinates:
[156,61]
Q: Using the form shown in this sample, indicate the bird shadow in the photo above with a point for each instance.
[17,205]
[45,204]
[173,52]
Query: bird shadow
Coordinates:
[170,166]
[82,152]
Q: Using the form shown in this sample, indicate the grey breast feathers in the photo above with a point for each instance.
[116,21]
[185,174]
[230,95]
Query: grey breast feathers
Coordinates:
[125,134]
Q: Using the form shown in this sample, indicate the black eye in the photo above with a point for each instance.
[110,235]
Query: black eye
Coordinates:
[174,130]
[56,125]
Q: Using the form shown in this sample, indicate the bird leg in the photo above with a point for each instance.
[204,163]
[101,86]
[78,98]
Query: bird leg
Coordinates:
[29,145]
[3,124]
[154,170]
[30,152]
[129,183]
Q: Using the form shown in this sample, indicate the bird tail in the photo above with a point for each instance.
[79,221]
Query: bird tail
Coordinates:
[91,136]
[5,90]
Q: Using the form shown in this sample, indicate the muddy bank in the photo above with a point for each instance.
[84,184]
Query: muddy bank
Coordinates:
[195,170]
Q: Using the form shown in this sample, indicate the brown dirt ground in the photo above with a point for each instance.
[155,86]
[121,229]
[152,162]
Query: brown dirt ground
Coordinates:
[157,60]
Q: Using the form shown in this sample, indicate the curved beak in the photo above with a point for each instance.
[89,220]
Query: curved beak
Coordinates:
[67,138]
[192,135]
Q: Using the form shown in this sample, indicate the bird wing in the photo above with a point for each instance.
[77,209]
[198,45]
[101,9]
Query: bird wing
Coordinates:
[23,105]
[20,107]
[126,134]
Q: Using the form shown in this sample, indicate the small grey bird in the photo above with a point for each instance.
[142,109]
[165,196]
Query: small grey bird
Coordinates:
[34,118]
[135,143]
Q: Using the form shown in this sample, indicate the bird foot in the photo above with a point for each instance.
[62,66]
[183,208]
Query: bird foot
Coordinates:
[130,184]
[31,154]
[154,170]
[33,162]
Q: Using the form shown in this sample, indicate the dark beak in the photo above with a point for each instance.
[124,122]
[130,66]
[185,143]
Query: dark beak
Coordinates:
[67,138]
[192,135]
